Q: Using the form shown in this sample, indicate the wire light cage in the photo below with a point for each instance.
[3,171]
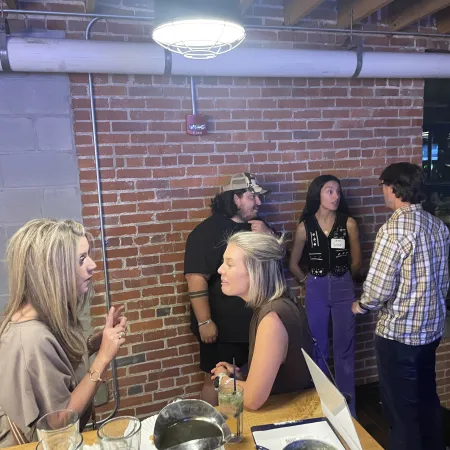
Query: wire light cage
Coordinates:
[198,29]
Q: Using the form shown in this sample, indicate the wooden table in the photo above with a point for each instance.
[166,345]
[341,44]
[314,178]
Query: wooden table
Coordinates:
[287,407]
[279,408]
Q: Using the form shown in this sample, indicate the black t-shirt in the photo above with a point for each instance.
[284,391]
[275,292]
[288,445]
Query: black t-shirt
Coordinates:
[205,247]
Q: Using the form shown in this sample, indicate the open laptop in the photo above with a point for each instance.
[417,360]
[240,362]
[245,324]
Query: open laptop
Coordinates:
[334,405]
[338,419]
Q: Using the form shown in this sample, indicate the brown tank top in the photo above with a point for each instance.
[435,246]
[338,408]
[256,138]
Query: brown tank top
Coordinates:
[293,375]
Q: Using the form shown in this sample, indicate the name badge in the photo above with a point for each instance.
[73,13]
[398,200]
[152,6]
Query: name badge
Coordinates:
[337,243]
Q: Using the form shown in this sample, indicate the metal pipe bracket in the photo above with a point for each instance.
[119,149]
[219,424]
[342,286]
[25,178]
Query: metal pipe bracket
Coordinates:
[4,57]
[356,45]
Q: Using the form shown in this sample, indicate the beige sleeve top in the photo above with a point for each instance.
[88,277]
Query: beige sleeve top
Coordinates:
[36,377]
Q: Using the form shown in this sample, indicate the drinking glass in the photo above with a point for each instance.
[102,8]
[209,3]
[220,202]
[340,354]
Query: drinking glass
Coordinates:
[231,406]
[61,441]
[64,421]
[120,433]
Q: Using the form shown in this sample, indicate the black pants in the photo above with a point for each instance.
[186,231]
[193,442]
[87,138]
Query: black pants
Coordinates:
[408,392]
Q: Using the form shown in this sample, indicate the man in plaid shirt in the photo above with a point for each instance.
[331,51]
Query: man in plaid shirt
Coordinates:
[408,283]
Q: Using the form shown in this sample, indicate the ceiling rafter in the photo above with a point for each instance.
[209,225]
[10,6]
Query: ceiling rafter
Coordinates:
[90,6]
[294,10]
[417,11]
[11,4]
[245,4]
[443,21]
[361,9]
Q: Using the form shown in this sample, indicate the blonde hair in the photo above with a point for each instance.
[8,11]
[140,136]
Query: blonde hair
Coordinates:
[263,258]
[42,264]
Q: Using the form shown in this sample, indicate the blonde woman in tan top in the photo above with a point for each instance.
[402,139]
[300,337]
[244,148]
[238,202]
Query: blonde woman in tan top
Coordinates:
[44,356]
[252,269]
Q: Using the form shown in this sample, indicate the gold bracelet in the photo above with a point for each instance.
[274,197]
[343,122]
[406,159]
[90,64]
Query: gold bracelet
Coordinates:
[95,375]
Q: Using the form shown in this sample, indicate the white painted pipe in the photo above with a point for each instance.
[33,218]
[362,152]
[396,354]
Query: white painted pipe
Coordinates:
[405,65]
[271,62]
[75,56]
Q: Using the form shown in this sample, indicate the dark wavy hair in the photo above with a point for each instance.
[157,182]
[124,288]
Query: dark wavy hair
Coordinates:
[224,203]
[313,197]
[407,181]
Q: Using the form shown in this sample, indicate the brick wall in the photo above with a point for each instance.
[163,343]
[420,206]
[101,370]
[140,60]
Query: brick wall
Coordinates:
[157,181]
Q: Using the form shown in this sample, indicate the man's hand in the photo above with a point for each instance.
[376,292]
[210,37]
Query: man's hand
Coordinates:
[356,309]
[259,226]
[208,333]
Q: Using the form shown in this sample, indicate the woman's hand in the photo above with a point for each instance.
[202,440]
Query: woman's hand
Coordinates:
[113,335]
[222,368]
[227,369]
[95,340]
[217,371]
[118,315]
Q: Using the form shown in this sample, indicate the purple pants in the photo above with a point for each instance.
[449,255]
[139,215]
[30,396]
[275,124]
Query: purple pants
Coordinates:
[334,295]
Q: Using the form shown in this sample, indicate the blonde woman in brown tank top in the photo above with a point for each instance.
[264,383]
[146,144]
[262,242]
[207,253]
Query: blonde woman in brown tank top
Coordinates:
[252,269]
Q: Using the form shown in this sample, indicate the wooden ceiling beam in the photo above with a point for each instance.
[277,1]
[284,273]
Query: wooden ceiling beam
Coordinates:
[294,10]
[11,4]
[417,11]
[90,6]
[361,10]
[443,21]
[245,4]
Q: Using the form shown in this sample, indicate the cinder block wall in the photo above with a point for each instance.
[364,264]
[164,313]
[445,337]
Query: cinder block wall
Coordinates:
[38,162]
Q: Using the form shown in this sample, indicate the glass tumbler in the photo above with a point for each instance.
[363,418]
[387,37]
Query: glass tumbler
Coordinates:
[63,421]
[231,406]
[120,433]
[61,441]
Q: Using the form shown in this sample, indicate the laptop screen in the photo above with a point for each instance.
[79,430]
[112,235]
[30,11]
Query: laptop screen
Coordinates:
[334,405]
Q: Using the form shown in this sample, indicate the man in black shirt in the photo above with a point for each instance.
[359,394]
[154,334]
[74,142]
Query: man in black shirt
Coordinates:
[221,323]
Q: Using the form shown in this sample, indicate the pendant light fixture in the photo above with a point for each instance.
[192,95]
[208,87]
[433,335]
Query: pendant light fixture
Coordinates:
[198,29]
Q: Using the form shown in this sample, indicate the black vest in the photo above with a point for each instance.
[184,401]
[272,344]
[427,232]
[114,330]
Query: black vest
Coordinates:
[327,253]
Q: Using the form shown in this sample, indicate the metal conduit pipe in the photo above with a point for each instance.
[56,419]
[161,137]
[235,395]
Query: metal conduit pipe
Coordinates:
[82,56]
[249,27]
[102,225]
[346,31]
[76,14]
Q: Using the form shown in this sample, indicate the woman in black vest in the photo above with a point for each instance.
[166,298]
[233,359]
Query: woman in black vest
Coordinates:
[329,239]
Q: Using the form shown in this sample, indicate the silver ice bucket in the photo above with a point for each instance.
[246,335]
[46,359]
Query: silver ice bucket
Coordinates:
[190,425]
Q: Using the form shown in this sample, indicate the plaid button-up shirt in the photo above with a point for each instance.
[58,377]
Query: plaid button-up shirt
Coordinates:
[408,277]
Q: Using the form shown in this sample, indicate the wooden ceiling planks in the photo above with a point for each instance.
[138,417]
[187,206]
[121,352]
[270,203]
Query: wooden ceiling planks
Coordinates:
[245,4]
[359,8]
[416,11]
[294,10]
